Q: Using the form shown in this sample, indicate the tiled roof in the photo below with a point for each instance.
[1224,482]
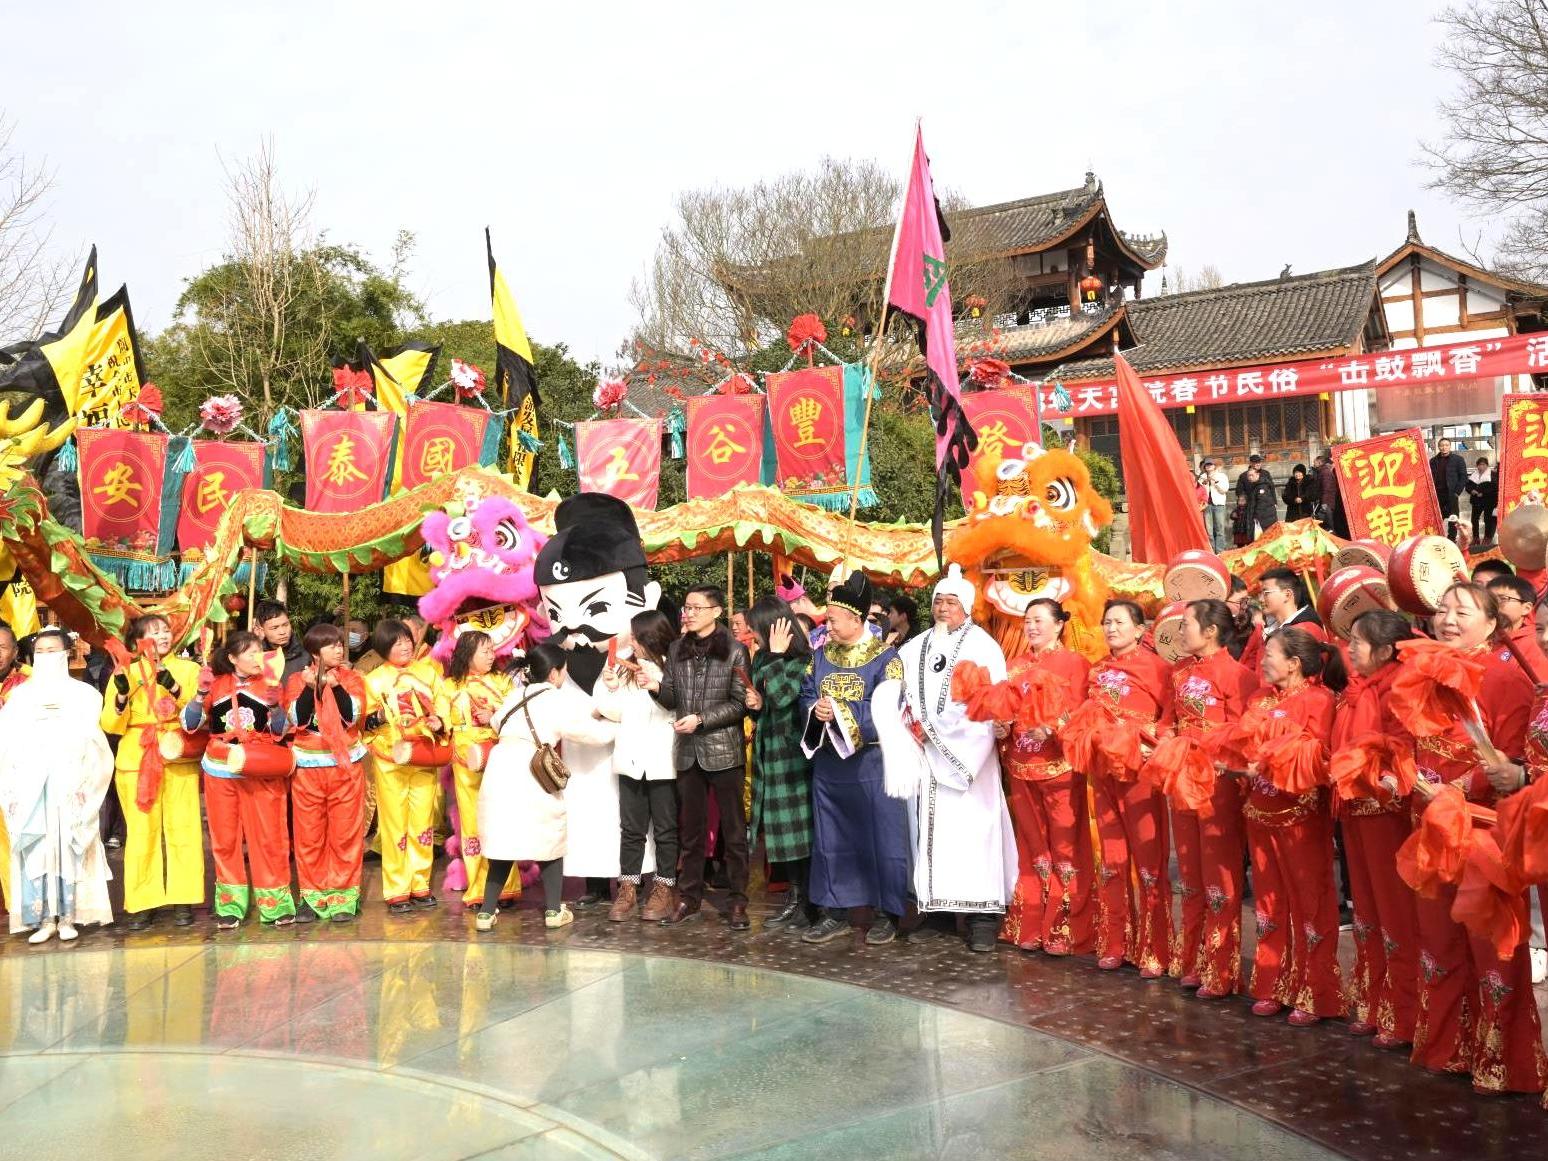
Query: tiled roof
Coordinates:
[1030,224]
[1045,340]
[1289,317]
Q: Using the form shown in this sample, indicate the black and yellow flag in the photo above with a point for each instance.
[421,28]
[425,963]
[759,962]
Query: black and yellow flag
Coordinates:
[50,368]
[515,380]
[112,371]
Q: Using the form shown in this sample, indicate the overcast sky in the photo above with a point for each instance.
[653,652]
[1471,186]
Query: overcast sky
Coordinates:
[1253,134]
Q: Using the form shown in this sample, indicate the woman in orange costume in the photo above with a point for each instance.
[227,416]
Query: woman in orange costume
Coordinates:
[1384,988]
[1209,695]
[1126,693]
[1051,907]
[326,703]
[241,707]
[1287,733]
[1476,1011]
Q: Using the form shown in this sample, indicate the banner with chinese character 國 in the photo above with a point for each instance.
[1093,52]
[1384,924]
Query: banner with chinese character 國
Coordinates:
[348,458]
[725,443]
[1388,492]
[1006,422]
[621,457]
[220,471]
[1523,468]
[130,490]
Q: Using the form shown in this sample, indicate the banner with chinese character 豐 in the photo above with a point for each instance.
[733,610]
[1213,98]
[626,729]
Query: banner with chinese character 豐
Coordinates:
[807,407]
[621,457]
[348,457]
[1523,468]
[220,471]
[129,498]
[1388,492]
[725,443]
[1006,422]
[440,438]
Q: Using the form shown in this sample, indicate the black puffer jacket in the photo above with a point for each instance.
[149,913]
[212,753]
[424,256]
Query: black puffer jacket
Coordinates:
[707,676]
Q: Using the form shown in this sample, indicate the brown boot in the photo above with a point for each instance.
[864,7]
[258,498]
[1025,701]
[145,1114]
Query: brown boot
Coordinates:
[623,906]
[660,904]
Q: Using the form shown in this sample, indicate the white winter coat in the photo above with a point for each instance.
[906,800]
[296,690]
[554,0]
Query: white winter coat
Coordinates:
[646,739]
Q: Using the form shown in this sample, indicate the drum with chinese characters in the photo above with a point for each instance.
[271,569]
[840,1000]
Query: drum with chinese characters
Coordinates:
[421,752]
[1168,631]
[476,756]
[1364,553]
[261,758]
[1348,593]
[1420,571]
[1196,575]
[178,745]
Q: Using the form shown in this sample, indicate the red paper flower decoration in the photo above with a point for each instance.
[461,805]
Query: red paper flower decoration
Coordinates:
[467,378]
[736,385]
[988,372]
[805,329]
[146,406]
[352,387]
[610,393]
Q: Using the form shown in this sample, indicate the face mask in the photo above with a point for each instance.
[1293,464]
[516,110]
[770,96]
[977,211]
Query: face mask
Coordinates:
[51,667]
[356,640]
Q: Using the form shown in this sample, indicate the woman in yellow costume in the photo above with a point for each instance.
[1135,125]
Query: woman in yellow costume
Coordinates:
[164,846]
[405,735]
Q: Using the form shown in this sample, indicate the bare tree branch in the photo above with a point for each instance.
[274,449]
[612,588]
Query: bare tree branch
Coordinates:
[34,286]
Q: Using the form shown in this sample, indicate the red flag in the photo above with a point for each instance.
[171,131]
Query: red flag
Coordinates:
[1164,515]
[348,455]
[725,443]
[621,457]
[807,410]
[121,481]
[221,470]
[1388,492]
[440,438]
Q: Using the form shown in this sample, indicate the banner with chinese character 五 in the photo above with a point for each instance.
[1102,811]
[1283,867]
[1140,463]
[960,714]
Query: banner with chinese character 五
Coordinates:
[621,457]
[1387,489]
[348,457]
[129,497]
[725,443]
[1523,468]
[807,408]
[221,470]
[1006,422]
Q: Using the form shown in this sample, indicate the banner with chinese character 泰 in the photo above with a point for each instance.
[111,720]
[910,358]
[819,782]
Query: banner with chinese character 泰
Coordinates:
[1480,359]
[807,407]
[621,457]
[129,498]
[440,438]
[1523,468]
[1006,422]
[220,471]
[1388,492]
[348,457]
[725,443]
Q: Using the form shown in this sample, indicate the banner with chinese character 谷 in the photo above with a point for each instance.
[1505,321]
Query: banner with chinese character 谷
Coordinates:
[348,457]
[807,408]
[440,438]
[725,443]
[621,457]
[129,498]
[1523,468]
[1388,492]
[1006,422]
[220,471]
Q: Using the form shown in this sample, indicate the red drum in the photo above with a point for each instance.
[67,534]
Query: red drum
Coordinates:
[1365,553]
[1348,593]
[261,759]
[476,756]
[1168,631]
[1196,575]
[1422,568]
[421,752]
[180,746]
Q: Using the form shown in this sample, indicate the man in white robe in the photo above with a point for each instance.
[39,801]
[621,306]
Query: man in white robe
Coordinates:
[55,769]
[947,766]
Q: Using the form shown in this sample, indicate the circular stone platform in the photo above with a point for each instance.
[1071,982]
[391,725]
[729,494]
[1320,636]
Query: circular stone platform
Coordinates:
[432,1051]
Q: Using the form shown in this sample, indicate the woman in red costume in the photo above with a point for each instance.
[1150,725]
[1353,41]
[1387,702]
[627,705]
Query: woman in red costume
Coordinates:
[1287,732]
[1476,1011]
[1125,695]
[1384,989]
[1051,907]
[1209,695]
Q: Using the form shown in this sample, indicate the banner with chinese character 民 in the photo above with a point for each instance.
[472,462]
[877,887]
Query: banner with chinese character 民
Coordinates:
[807,407]
[1523,468]
[1006,422]
[1388,492]
[129,498]
[725,443]
[348,456]
[621,457]
[220,471]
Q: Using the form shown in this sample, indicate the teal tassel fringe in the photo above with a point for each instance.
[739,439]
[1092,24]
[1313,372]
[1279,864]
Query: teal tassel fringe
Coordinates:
[566,456]
[141,576]
[186,571]
[677,426]
[839,501]
[184,462]
[67,459]
[531,443]
[1062,397]
[281,429]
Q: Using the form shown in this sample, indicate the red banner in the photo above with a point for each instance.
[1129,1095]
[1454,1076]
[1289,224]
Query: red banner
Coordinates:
[121,479]
[1523,466]
[621,457]
[348,454]
[1483,358]
[807,409]
[440,438]
[1388,492]
[221,470]
[1005,420]
[725,443]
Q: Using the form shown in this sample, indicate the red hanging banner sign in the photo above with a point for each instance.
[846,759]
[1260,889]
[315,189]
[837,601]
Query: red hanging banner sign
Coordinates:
[807,409]
[348,455]
[725,443]
[1388,492]
[1006,422]
[621,457]
[221,470]
[440,438]
[1523,467]
[121,479]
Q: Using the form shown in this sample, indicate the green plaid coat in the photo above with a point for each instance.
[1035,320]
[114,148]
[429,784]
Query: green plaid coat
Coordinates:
[782,774]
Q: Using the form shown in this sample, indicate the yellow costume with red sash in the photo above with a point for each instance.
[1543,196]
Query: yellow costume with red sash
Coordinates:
[454,705]
[403,696]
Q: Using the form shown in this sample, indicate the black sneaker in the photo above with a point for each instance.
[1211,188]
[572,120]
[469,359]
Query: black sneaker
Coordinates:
[425,902]
[140,920]
[401,907]
[983,933]
[883,931]
[826,930]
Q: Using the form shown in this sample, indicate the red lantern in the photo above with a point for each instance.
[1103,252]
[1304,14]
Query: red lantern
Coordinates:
[235,604]
[1091,286]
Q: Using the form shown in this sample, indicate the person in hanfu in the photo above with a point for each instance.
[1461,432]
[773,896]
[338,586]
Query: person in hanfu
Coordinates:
[860,839]
[55,769]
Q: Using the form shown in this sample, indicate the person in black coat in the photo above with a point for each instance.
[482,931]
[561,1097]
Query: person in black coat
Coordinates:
[1483,494]
[1255,488]
[1449,471]
[1301,494]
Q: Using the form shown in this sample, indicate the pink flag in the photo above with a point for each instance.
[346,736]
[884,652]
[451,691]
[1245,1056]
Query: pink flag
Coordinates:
[918,288]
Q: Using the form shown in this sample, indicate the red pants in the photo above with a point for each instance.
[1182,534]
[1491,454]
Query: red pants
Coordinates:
[1052,813]
[1209,863]
[1134,895]
[1296,959]
[328,801]
[1386,925]
[1023,924]
[249,811]
[1476,1011]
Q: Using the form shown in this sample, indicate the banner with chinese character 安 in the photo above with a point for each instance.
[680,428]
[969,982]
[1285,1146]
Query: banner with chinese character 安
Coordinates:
[725,443]
[129,498]
[1006,422]
[348,457]
[621,457]
[1388,492]
[220,471]
[1523,466]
